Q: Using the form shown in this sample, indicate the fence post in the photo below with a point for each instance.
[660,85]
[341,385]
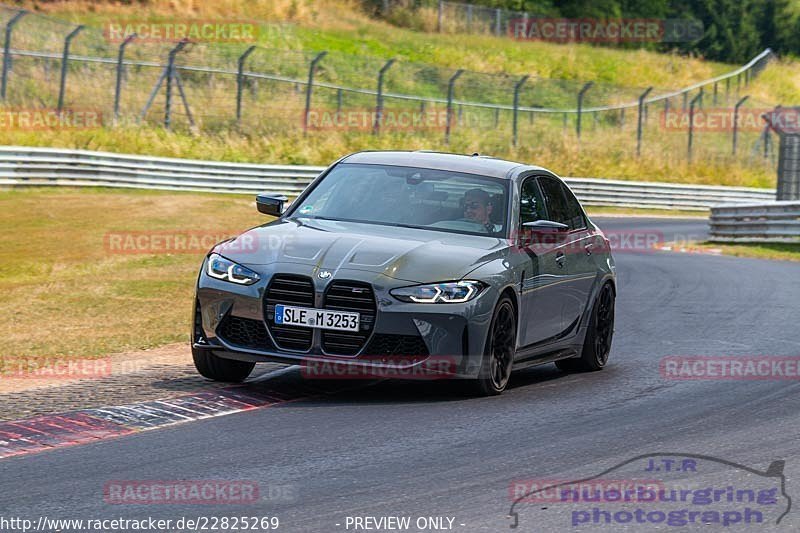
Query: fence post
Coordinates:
[666,109]
[736,121]
[469,18]
[450,89]
[727,89]
[517,88]
[64,57]
[585,88]
[120,66]
[439,16]
[240,82]
[6,51]
[497,21]
[170,77]
[309,87]
[685,100]
[691,123]
[338,101]
[639,121]
[379,98]
[715,93]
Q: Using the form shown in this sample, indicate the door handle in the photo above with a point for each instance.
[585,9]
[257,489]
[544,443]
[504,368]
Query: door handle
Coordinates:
[588,248]
[560,258]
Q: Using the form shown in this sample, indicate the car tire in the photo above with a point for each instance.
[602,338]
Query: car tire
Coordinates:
[597,343]
[218,369]
[499,350]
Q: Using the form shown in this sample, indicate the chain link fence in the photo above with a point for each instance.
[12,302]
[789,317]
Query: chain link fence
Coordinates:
[214,87]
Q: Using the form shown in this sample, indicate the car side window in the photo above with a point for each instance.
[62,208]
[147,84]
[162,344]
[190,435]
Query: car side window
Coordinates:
[574,211]
[555,200]
[531,206]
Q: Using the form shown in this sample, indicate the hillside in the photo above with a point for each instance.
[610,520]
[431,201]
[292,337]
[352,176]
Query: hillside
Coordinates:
[358,46]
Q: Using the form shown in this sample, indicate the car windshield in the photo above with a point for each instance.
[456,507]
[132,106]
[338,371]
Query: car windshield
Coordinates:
[409,197]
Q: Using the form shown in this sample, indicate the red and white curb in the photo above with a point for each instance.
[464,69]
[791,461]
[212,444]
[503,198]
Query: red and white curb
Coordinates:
[33,435]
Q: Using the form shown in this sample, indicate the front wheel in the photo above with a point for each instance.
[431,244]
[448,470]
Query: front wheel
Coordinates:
[498,354]
[228,370]
[597,344]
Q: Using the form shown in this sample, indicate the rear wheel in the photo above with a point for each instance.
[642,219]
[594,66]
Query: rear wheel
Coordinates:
[597,344]
[498,354]
[219,369]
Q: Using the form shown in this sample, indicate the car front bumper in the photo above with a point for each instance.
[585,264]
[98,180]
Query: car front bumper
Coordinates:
[405,339]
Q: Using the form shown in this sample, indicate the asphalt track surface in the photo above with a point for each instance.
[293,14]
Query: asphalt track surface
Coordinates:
[420,449]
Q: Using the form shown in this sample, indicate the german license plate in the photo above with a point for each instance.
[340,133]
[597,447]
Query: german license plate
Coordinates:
[316,318]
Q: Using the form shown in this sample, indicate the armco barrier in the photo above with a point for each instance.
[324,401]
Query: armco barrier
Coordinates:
[28,166]
[756,222]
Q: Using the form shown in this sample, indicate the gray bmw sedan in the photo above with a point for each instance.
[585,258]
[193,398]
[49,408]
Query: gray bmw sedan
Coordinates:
[409,264]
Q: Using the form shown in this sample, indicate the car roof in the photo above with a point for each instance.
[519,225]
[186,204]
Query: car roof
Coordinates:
[470,164]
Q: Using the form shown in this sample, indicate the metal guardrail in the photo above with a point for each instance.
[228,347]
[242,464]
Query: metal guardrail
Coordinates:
[756,222]
[29,166]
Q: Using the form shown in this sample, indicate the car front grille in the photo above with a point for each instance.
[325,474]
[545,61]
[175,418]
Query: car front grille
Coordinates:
[384,344]
[244,332]
[289,290]
[353,296]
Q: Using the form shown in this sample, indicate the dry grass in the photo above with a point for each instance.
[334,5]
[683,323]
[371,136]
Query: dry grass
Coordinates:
[71,296]
[772,251]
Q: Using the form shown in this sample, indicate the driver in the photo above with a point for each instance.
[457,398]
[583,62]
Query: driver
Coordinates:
[478,208]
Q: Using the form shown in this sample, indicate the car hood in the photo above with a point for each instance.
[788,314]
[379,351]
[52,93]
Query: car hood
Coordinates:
[415,255]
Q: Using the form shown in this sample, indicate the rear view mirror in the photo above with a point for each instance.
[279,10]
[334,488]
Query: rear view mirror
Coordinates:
[545,226]
[271,204]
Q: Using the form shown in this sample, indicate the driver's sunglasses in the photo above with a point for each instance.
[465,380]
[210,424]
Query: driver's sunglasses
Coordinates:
[472,205]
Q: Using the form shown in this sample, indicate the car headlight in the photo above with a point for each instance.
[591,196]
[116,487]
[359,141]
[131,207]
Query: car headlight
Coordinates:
[453,292]
[225,269]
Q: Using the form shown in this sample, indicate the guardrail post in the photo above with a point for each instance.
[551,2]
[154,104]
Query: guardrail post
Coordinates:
[65,56]
[727,89]
[685,100]
[240,82]
[450,89]
[309,88]
[639,121]
[715,94]
[7,51]
[564,125]
[622,118]
[691,123]
[582,92]
[666,108]
[120,67]
[170,77]
[517,88]
[736,121]
[379,98]
[338,101]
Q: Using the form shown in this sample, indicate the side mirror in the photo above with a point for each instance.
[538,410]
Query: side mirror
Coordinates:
[271,204]
[545,226]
